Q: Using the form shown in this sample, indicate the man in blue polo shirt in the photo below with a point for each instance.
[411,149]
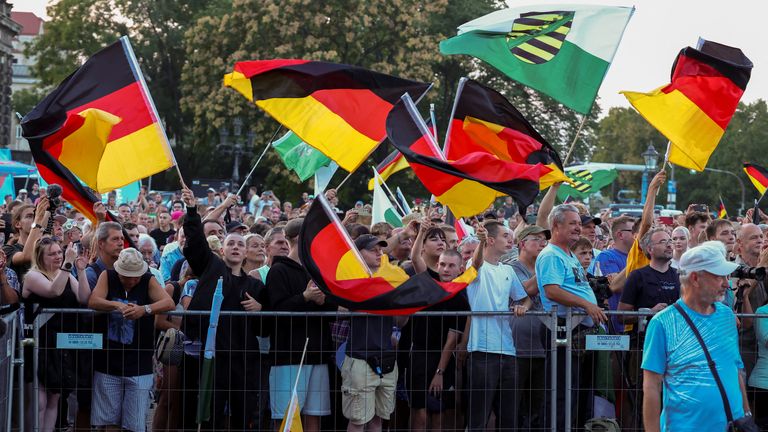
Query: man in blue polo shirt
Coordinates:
[674,360]
[613,261]
[562,282]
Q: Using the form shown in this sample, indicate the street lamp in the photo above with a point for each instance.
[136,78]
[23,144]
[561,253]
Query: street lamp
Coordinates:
[651,158]
[236,144]
[732,174]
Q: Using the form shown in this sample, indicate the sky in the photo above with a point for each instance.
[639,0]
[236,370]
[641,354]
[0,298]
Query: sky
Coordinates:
[655,35]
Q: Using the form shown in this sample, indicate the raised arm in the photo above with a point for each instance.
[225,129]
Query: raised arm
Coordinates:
[41,218]
[546,206]
[650,201]
[219,211]
[196,249]
[80,286]
[416,258]
[477,258]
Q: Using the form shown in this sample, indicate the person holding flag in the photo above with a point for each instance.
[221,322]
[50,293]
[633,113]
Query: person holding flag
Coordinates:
[236,380]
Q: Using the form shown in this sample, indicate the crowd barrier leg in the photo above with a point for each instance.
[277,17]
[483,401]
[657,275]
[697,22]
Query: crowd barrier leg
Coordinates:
[552,326]
[11,333]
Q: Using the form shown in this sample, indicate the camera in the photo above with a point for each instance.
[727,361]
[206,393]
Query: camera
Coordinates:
[746,272]
[601,287]
[54,197]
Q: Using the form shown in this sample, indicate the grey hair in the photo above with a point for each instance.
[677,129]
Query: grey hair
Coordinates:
[144,239]
[468,240]
[645,242]
[102,231]
[557,215]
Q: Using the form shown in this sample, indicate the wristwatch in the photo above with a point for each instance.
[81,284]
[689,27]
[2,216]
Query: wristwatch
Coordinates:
[439,371]
[36,225]
[66,267]
[148,309]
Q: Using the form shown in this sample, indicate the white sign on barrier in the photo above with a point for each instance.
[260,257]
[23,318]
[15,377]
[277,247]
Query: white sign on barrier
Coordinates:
[608,342]
[78,341]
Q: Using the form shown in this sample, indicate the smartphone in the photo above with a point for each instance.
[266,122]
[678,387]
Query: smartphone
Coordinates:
[700,208]
[78,247]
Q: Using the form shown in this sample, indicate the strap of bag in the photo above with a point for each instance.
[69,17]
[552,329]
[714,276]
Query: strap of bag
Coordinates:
[710,362]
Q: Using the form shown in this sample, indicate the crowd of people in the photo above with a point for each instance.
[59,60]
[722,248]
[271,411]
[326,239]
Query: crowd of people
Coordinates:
[369,372]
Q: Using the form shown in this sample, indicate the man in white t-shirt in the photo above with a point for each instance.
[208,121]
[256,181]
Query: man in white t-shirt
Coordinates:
[491,349]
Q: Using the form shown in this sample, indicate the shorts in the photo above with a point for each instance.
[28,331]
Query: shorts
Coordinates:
[365,394]
[313,390]
[121,401]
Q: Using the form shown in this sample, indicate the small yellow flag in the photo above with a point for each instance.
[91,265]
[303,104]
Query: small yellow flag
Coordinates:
[292,419]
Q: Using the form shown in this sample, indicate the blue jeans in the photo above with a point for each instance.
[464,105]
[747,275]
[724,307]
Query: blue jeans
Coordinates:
[492,379]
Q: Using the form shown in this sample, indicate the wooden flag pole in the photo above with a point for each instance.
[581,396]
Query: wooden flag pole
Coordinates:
[575,140]
[343,181]
[269,144]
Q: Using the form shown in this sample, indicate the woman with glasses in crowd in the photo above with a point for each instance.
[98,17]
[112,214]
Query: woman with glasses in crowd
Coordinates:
[50,284]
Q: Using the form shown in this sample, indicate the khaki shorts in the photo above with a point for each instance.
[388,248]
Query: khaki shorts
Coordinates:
[365,394]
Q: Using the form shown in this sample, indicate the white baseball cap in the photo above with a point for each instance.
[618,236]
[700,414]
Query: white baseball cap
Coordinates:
[708,256]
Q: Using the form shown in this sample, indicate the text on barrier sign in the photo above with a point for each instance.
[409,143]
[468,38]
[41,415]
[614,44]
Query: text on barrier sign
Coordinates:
[78,341]
[608,342]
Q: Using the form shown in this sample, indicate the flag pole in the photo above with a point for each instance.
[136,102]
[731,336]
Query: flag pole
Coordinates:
[343,181]
[434,121]
[269,144]
[378,178]
[575,139]
[459,89]
[287,423]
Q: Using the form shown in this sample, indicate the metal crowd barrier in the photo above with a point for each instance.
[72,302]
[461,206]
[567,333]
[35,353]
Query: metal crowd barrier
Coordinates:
[568,352]
[9,329]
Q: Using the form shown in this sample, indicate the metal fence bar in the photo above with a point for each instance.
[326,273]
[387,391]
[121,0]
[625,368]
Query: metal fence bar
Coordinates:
[553,369]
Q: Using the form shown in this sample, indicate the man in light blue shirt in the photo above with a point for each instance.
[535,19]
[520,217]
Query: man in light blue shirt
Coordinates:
[492,366]
[562,282]
[674,360]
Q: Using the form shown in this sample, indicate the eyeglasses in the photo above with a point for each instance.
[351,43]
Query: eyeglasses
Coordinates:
[663,242]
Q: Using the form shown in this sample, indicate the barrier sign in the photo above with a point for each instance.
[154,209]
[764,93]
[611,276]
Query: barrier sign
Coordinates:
[608,342]
[78,341]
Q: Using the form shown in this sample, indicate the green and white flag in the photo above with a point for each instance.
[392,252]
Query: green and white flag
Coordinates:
[563,51]
[299,156]
[383,210]
[586,182]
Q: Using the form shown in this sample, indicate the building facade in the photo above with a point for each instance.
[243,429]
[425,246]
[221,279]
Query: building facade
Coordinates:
[9,29]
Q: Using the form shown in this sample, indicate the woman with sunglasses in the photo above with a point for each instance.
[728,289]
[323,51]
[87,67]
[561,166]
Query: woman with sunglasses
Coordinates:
[50,284]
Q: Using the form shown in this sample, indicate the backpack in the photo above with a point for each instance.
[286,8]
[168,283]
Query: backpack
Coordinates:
[169,349]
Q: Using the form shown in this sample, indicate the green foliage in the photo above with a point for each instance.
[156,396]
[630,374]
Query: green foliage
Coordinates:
[77,29]
[624,135]
[23,101]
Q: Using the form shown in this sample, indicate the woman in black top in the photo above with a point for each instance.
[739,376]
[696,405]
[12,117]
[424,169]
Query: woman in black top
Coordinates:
[50,284]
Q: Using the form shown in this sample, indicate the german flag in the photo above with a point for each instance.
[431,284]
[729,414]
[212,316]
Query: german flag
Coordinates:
[100,123]
[336,266]
[721,212]
[484,120]
[696,107]
[758,176]
[393,163]
[469,184]
[338,109]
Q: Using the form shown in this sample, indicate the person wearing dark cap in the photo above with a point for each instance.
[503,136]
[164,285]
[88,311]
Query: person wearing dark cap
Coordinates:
[589,230]
[369,371]
[237,227]
[291,289]
[529,332]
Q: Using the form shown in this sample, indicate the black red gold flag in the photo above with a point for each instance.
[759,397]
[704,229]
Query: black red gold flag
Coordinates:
[338,109]
[484,120]
[100,123]
[694,110]
[758,176]
[330,257]
[469,184]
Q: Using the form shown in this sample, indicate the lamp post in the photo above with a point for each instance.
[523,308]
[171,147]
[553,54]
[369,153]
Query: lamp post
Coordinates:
[236,144]
[651,158]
